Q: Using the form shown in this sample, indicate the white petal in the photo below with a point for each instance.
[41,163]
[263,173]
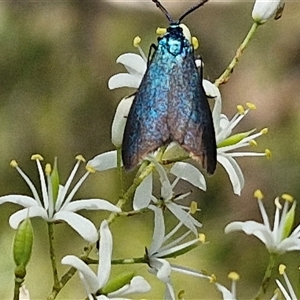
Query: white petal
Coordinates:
[166,187]
[80,224]
[289,244]
[134,63]
[24,201]
[143,193]
[124,80]
[89,276]
[189,173]
[227,295]
[91,204]
[119,122]
[104,161]
[169,292]
[31,212]
[24,293]
[164,271]
[211,90]
[137,285]
[105,251]
[263,10]
[159,230]
[234,172]
[283,291]
[184,217]
[253,228]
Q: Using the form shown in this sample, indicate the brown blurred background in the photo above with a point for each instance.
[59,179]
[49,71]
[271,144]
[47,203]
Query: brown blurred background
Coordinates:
[55,61]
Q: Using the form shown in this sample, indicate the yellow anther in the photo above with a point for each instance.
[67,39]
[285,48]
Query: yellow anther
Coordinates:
[281,269]
[240,109]
[136,41]
[13,163]
[258,194]
[253,143]
[161,30]
[264,131]
[80,158]
[251,106]
[193,207]
[268,153]
[48,169]
[90,169]
[213,278]
[195,42]
[234,276]
[37,157]
[287,197]
[277,203]
[202,238]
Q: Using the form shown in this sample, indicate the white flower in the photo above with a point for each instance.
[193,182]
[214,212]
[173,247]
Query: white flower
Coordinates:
[143,195]
[92,282]
[227,143]
[264,10]
[280,239]
[161,248]
[137,65]
[289,293]
[227,294]
[55,203]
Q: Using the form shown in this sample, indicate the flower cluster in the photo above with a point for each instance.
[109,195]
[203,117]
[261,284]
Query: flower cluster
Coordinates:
[55,203]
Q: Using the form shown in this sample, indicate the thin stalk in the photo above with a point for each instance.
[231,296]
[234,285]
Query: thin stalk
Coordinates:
[266,280]
[18,284]
[226,74]
[56,284]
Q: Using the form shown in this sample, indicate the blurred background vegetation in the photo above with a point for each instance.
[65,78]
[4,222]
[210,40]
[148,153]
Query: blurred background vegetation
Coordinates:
[56,59]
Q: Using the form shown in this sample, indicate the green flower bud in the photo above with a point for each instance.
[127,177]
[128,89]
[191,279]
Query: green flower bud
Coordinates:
[55,180]
[117,282]
[289,221]
[22,245]
[234,139]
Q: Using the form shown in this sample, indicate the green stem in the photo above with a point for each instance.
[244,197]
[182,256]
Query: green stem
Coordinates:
[18,284]
[122,261]
[145,169]
[266,280]
[56,284]
[226,74]
[69,274]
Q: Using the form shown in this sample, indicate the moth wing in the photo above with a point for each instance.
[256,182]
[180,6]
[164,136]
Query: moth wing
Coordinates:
[189,118]
[146,127]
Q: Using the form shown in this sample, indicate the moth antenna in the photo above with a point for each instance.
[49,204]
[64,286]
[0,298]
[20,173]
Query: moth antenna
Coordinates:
[193,8]
[165,12]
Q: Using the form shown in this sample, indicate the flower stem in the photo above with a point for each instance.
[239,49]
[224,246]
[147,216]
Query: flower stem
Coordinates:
[226,74]
[18,284]
[266,280]
[145,169]
[56,284]
[69,274]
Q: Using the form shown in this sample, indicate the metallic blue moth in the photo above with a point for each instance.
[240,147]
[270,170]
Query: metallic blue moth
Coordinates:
[170,103]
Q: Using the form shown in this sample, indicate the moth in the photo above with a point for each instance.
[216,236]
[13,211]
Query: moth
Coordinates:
[170,104]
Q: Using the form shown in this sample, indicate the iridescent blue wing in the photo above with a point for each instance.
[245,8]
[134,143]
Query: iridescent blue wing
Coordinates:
[189,116]
[146,127]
